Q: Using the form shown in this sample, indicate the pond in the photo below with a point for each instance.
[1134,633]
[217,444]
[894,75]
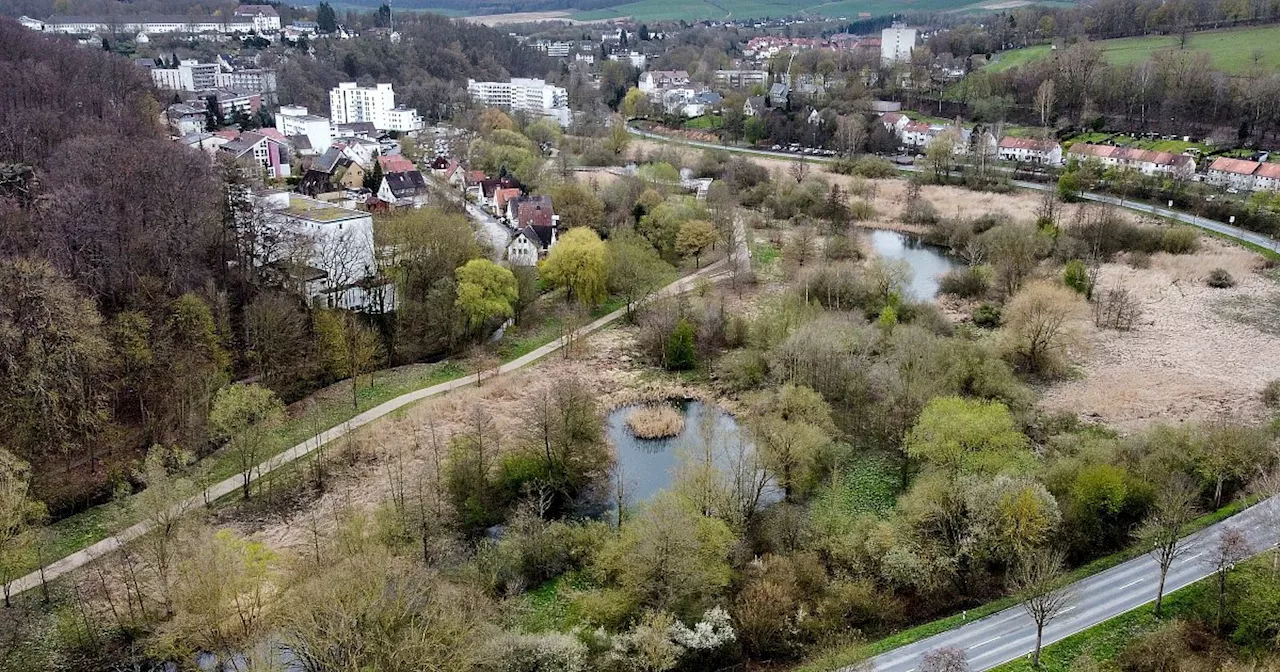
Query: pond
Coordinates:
[649,466]
[928,263]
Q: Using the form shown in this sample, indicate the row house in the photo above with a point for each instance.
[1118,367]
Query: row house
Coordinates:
[1244,175]
[1145,161]
[1028,150]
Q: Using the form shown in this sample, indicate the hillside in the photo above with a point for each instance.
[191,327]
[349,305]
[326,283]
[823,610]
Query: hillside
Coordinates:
[1231,50]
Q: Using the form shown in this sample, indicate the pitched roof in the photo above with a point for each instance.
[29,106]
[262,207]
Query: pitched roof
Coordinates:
[254,10]
[539,235]
[757,102]
[299,141]
[395,163]
[501,196]
[1010,142]
[273,134]
[327,162]
[1236,166]
[892,118]
[1130,154]
[439,163]
[534,213]
[1270,171]
[406,183]
[245,143]
[916,127]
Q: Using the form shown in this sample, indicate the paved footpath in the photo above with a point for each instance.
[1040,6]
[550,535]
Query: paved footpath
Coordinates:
[217,491]
[1010,634]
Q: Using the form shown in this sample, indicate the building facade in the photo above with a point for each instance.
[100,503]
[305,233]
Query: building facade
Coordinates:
[294,120]
[350,104]
[190,75]
[896,44]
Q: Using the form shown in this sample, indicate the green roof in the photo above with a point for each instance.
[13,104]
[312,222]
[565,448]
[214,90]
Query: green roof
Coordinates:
[310,208]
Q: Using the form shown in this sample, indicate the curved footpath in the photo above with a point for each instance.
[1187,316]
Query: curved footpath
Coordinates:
[1222,228]
[1010,634]
[217,491]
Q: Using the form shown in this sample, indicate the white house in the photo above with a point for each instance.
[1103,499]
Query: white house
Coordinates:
[264,17]
[894,122]
[896,44]
[1028,150]
[655,80]
[530,244]
[268,152]
[150,24]
[294,120]
[1145,161]
[1267,177]
[337,242]
[190,75]
[522,94]
[404,189]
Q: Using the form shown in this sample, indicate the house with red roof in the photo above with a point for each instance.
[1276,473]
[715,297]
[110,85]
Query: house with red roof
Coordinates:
[1145,161]
[1029,150]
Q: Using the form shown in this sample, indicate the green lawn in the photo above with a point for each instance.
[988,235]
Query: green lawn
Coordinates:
[1172,146]
[1231,50]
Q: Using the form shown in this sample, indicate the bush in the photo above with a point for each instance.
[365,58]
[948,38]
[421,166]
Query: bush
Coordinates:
[1160,650]
[742,370]
[969,282]
[681,353]
[1271,394]
[1219,278]
[1117,308]
[514,652]
[987,315]
[1076,276]
[919,211]
[866,166]
[861,211]
[1180,240]
[842,248]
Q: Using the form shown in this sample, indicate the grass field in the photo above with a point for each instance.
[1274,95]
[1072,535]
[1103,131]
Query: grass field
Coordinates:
[1230,50]
[692,10]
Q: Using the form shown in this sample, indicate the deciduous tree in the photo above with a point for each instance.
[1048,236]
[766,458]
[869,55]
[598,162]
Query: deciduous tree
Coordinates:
[694,238]
[579,262]
[1164,530]
[485,291]
[242,415]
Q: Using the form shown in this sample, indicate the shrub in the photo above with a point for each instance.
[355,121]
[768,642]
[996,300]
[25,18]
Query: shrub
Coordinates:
[866,166]
[655,422]
[1160,650]
[543,651]
[919,211]
[841,248]
[1219,278]
[681,353]
[861,211]
[987,315]
[1180,240]
[969,282]
[741,370]
[1271,394]
[1076,276]
[1117,308]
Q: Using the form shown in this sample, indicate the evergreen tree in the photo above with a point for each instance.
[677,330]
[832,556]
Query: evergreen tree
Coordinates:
[326,19]
[373,178]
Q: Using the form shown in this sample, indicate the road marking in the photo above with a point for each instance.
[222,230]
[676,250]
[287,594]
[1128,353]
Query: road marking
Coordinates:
[1131,583]
[984,643]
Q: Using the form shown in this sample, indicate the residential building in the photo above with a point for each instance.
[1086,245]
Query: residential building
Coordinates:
[146,23]
[754,106]
[741,79]
[655,80]
[203,141]
[293,120]
[779,94]
[264,17]
[1145,161]
[230,101]
[554,49]
[190,75]
[1243,174]
[267,152]
[404,189]
[582,57]
[917,135]
[530,244]
[894,122]
[1267,177]
[350,103]
[896,44]
[1028,150]
[348,280]
[637,60]
[186,118]
[260,80]
[534,96]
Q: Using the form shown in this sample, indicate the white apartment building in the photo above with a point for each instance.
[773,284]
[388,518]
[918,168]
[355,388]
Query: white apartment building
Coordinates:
[741,79]
[554,49]
[190,75]
[635,58]
[260,80]
[294,120]
[265,18]
[80,25]
[896,43]
[534,96]
[351,104]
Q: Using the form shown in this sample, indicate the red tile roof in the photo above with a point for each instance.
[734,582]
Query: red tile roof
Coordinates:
[396,164]
[1269,171]
[1130,154]
[1010,142]
[1236,166]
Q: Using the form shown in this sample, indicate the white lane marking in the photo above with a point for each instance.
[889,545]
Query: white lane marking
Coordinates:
[1131,583]
[983,643]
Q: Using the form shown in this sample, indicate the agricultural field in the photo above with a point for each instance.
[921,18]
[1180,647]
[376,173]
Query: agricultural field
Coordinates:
[1231,50]
[655,10]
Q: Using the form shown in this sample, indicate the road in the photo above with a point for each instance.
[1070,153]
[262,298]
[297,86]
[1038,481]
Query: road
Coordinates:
[489,231]
[714,272]
[1011,634]
[1187,218]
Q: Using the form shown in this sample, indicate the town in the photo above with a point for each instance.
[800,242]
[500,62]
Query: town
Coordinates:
[520,337]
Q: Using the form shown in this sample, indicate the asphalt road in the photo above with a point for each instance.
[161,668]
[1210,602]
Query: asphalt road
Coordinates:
[1210,224]
[713,272]
[489,231]
[1011,634]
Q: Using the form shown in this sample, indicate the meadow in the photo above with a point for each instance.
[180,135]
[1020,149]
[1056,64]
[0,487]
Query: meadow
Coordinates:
[693,10]
[1232,50]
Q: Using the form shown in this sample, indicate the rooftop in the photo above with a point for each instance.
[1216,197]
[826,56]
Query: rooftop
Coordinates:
[319,211]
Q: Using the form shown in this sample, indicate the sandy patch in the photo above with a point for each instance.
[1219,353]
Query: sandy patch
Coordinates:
[1189,359]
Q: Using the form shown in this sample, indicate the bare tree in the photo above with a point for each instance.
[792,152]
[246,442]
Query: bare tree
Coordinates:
[945,659]
[1266,487]
[1046,98]
[799,169]
[1233,548]
[1163,531]
[1037,581]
